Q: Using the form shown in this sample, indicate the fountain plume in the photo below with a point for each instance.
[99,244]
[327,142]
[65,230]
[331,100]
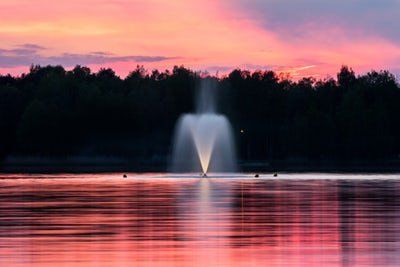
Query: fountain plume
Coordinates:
[203,140]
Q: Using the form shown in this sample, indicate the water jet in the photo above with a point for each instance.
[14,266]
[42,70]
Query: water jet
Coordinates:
[203,140]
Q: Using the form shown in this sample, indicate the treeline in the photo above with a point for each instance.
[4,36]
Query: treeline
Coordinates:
[53,112]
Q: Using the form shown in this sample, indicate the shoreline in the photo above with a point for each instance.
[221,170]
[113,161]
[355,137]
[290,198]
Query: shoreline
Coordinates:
[111,164]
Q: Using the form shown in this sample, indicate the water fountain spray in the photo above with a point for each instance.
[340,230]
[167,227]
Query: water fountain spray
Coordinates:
[203,140]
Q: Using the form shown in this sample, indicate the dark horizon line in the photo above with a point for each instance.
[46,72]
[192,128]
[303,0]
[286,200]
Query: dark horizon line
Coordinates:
[282,76]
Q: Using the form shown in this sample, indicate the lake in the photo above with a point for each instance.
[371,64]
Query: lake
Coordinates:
[230,220]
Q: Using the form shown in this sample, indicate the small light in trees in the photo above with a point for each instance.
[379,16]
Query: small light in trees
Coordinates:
[241,131]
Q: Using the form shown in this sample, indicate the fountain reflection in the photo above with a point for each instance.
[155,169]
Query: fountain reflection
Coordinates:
[206,222]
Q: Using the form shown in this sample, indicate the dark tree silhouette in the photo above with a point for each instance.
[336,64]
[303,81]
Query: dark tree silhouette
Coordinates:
[53,112]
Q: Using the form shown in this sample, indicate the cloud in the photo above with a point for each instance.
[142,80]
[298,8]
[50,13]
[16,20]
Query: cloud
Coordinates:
[27,54]
[21,50]
[34,47]
[101,53]
[84,59]
[305,18]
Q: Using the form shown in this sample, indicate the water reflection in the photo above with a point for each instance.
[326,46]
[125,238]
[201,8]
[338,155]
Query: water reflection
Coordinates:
[103,220]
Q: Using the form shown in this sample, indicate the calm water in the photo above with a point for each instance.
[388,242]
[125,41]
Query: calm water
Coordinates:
[155,220]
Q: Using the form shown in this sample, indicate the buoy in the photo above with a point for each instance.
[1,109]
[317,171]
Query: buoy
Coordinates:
[256,175]
[125,176]
[275,174]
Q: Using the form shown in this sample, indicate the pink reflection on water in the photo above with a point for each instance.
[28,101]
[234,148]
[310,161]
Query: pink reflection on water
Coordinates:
[104,220]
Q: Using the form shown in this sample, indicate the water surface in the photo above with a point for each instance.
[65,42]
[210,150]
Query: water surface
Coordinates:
[161,220]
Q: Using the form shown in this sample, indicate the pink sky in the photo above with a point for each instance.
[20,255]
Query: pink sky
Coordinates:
[203,35]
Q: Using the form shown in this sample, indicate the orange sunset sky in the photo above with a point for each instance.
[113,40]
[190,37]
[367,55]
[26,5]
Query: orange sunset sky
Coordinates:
[303,37]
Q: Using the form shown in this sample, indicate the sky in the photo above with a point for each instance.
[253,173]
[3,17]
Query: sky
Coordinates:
[299,37]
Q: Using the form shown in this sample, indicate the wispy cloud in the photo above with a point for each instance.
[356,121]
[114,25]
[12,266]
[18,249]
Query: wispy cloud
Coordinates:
[34,47]
[26,54]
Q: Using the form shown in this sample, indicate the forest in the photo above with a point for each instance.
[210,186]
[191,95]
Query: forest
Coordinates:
[53,112]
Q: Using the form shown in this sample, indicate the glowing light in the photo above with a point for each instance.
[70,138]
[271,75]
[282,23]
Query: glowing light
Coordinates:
[204,138]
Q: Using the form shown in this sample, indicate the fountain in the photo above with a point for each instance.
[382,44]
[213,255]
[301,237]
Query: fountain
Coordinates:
[203,141]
